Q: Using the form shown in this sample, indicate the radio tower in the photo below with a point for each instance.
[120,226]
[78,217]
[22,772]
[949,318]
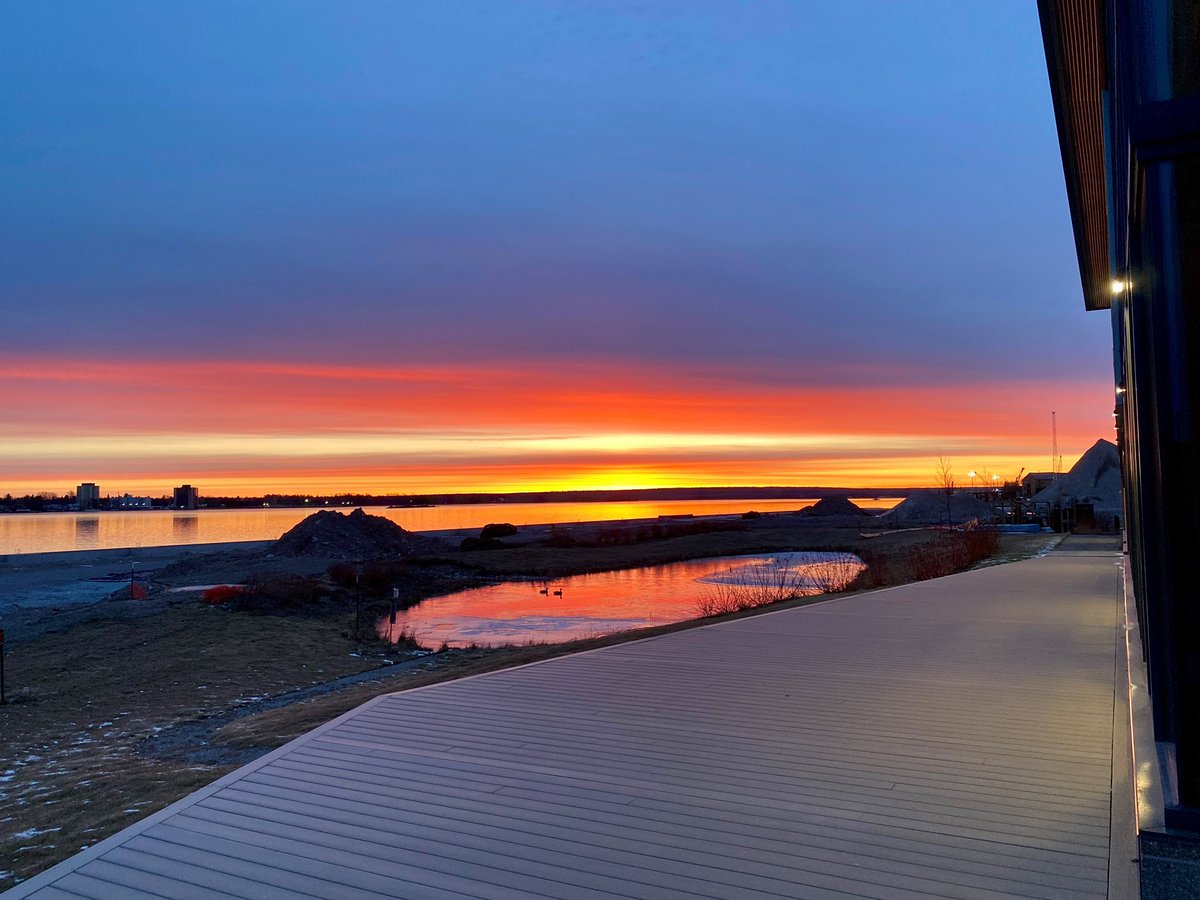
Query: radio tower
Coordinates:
[1055,459]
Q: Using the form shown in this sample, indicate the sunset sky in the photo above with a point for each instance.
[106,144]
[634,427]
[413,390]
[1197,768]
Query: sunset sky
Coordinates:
[428,246]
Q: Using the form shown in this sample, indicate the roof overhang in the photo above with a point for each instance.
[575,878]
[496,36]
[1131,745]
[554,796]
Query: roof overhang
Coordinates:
[1073,34]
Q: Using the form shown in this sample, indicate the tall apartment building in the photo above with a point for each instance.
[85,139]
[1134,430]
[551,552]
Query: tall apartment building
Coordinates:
[88,495]
[186,497]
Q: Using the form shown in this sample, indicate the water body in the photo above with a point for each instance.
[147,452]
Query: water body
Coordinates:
[581,606]
[53,532]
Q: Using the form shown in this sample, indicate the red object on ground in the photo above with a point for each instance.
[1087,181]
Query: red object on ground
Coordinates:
[222,593]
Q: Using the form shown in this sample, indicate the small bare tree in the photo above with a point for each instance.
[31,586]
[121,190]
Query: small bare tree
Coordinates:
[943,476]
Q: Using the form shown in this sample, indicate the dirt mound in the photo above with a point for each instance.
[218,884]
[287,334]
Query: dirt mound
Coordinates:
[1095,479]
[930,508]
[832,506]
[332,535]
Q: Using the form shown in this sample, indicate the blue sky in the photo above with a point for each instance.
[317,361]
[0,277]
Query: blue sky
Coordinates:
[803,194]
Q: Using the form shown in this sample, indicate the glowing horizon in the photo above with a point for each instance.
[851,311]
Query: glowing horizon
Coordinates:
[514,429]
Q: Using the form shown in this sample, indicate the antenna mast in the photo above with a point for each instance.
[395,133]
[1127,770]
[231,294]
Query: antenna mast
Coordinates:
[1055,459]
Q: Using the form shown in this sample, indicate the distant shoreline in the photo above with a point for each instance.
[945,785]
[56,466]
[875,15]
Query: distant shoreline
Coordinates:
[424,501]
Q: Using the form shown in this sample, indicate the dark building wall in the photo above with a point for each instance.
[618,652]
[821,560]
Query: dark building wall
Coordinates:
[1125,75]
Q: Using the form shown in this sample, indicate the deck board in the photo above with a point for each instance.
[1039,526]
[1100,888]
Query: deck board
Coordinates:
[946,739]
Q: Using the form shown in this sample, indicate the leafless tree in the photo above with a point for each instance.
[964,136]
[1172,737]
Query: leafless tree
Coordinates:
[943,476]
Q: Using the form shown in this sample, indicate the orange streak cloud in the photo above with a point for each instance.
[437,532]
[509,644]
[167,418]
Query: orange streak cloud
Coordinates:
[249,427]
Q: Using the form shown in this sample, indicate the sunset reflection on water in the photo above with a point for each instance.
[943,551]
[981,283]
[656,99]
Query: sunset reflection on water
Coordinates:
[581,606]
[52,532]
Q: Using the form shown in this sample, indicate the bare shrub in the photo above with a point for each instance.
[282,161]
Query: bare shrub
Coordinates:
[796,575]
[274,592]
[944,553]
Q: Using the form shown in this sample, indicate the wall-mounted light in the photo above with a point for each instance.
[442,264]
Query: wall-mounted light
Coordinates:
[1118,286]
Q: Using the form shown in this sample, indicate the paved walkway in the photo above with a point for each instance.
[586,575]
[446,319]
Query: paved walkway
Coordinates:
[951,738]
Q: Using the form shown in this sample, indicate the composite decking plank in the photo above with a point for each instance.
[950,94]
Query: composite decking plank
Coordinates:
[448,857]
[960,751]
[837,764]
[982,791]
[450,862]
[131,879]
[578,867]
[697,872]
[431,882]
[215,879]
[665,832]
[722,771]
[810,688]
[795,793]
[260,877]
[998,767]
[949,738]
[782,862]
[1036,802]
[518,781]
[303,874]
[815,724]
[849,832]
[81,885]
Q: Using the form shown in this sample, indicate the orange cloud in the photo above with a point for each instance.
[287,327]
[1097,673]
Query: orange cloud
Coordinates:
[247,427]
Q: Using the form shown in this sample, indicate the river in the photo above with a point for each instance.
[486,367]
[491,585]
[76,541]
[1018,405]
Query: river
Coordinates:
[52,532]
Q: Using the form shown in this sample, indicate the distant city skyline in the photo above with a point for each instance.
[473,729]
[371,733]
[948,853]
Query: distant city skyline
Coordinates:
[430,247]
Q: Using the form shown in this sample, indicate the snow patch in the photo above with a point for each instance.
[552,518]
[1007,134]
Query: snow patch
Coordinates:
[32,833]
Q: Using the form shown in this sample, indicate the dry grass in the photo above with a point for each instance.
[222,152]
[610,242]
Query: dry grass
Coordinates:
[69,773]
[805,575]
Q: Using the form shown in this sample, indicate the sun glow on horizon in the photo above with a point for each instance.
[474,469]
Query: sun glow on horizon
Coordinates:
[250,429]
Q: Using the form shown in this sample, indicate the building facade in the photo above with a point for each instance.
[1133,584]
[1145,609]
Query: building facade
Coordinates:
[87,496]
[127,501]
[1125,78]
[186,497]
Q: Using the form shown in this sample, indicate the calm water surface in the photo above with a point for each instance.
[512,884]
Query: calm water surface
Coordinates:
[518,612]
[48,532]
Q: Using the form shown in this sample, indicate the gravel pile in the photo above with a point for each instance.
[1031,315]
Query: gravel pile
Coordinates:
[832,506]
[929,508]
[332,535]
[1095,479]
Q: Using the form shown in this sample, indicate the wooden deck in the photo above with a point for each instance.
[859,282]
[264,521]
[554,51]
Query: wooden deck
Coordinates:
[951,739]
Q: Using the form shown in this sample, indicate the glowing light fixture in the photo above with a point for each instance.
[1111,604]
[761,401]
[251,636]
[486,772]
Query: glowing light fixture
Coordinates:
[1118,286]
